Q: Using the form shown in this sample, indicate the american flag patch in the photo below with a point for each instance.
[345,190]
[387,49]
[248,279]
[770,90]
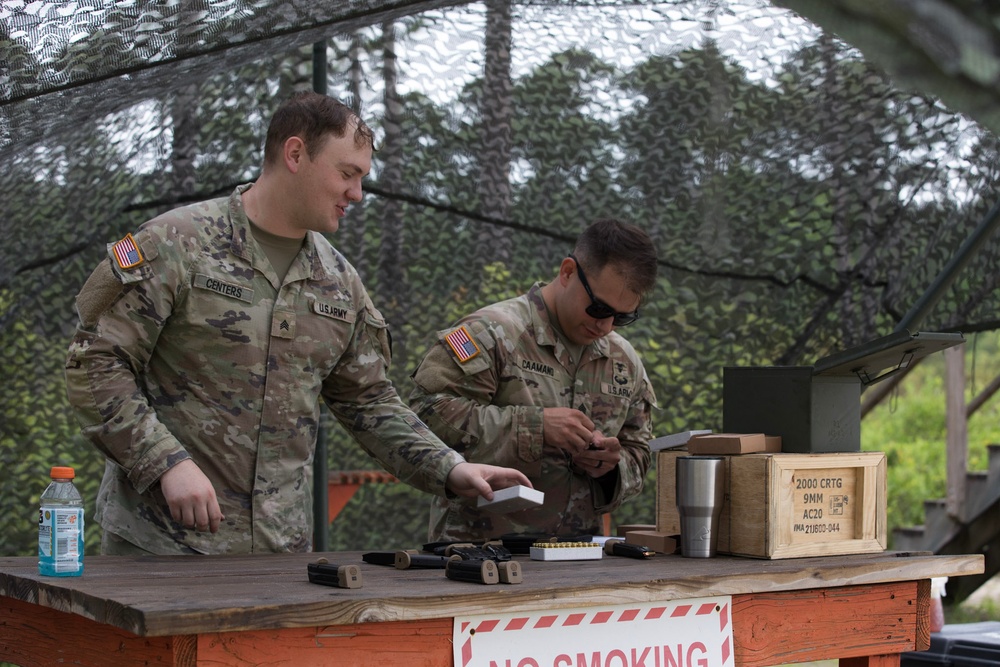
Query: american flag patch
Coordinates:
[461,344]
[127,253]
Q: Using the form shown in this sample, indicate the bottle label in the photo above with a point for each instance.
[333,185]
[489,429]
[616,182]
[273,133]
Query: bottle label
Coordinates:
[60,532]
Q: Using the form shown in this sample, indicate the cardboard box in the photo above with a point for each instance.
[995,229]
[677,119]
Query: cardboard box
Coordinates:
[661,543]
[625,528]
[512,499]
[734,443]
[790,505]
[674,439]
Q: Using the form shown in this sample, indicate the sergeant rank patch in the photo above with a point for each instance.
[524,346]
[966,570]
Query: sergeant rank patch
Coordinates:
[461,344]
[127,253]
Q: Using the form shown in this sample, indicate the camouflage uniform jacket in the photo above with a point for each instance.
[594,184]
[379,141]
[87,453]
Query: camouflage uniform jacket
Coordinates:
[199,352]
[489,408]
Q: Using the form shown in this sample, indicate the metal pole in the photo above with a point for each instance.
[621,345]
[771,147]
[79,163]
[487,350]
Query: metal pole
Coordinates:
[321,473]
[947,276]
[319,67]
[926,302]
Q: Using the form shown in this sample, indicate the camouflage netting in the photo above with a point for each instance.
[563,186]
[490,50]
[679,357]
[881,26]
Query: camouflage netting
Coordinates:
[800,201]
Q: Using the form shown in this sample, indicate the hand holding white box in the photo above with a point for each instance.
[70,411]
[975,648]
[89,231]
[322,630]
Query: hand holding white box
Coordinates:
[512,499]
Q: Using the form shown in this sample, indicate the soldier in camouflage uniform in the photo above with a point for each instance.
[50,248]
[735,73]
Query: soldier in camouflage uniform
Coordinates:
[544,384]
[207,338]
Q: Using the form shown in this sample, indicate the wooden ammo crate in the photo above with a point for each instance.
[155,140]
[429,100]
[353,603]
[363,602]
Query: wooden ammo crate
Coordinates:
[790,505]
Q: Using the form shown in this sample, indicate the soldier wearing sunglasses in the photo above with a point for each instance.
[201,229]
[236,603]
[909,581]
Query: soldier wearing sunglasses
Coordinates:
[545,384]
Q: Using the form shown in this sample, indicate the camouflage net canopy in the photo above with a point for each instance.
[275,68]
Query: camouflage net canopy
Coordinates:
[800,201]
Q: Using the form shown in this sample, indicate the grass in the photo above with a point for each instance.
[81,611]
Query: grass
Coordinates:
[983,605]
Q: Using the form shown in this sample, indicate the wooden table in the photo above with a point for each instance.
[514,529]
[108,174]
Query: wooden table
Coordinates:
[257,610]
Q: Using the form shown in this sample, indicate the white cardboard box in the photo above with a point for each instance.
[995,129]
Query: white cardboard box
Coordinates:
[567,551]
[512,499]
[674,439]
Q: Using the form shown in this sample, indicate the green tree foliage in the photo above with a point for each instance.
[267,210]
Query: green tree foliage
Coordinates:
[909,426]
[947,48]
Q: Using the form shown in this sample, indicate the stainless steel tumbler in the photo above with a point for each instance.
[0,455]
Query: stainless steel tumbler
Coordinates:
[700,492]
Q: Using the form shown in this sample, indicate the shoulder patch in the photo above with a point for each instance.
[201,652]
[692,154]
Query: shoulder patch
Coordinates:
[461,344]
[126,253]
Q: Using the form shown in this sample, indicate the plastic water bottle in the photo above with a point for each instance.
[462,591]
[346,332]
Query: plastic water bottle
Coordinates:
[60,526]
[937,607]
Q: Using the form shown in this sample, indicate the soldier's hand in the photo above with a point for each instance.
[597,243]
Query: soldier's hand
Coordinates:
[479,479]
[191,497]
[600,457]
[566,429]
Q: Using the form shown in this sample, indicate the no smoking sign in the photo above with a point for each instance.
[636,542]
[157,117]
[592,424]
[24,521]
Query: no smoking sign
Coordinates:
[684,633]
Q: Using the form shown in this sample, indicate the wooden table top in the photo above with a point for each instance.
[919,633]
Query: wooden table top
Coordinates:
[171,595]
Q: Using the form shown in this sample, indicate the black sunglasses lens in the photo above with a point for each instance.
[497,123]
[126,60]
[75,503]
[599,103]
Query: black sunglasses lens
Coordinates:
[625,319]
[600,311]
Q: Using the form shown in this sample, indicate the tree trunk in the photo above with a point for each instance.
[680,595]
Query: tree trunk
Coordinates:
[391,290]
[497,109]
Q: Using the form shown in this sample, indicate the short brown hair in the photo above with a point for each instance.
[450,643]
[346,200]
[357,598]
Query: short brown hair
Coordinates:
[313,118]
[628,248]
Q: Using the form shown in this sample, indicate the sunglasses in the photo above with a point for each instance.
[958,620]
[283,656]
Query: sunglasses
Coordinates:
[600,310]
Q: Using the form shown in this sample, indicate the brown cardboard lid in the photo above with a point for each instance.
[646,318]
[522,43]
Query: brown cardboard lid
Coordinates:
[891,354]
[734,443]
